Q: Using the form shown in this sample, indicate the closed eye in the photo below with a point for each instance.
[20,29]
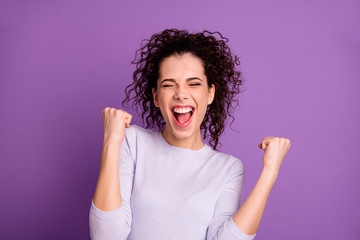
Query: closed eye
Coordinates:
[195,84]
[167,85]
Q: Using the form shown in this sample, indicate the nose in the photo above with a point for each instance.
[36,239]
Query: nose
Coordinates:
[181,93]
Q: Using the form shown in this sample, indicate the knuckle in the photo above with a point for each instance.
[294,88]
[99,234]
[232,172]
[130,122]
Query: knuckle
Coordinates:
[120,114]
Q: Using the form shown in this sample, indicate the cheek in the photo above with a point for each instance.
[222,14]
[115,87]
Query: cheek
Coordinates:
[162,101]
[202,102]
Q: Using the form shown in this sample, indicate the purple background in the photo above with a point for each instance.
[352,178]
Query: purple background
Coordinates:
[62,62]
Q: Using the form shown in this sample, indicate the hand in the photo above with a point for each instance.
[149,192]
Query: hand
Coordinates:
[275,150]
[115,121]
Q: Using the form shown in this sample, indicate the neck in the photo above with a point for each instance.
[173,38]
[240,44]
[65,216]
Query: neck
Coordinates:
[194,142]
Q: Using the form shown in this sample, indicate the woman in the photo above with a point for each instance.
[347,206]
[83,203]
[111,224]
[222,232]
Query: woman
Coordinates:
[167,183]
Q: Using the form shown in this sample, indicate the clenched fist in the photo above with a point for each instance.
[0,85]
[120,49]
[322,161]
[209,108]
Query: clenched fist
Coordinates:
[275,150]
[115,121]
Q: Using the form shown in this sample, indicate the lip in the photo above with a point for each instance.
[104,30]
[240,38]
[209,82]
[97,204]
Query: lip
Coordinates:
[187,123]
[182,106]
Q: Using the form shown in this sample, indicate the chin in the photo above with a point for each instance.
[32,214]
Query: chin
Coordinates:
[182,134]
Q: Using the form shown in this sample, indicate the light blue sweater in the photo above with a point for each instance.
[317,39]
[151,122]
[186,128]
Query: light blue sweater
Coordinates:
[170,192]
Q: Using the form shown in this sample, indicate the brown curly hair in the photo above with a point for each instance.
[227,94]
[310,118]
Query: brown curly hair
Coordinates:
[219,64]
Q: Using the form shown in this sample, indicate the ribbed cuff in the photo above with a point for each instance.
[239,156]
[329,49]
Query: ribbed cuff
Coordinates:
[105,214]
[238,233]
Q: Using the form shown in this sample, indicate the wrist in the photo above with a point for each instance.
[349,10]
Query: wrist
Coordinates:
[270,173]
[109,156]
[111,144]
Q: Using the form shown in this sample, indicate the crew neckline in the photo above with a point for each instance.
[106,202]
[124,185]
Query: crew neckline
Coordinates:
[162,139]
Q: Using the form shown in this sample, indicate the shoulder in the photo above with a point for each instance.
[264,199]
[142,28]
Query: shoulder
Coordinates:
[230,161]
[136,134]
[135,130]
[137,138]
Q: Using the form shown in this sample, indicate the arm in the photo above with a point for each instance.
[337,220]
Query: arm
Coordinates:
[110,213]
[245,222]
[116,223]
[107,193]
[248,217]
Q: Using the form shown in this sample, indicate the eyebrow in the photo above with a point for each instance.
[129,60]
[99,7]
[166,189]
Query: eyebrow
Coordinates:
[173,80]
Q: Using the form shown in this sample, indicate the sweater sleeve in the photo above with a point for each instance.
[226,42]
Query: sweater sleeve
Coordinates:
[116,224]
[222,225]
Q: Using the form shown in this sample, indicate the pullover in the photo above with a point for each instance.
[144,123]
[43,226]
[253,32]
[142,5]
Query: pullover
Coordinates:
[171,192]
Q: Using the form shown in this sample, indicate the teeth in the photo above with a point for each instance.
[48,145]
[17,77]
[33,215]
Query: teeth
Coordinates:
[182,109]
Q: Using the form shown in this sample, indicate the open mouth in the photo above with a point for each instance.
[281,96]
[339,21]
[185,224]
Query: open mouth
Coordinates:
[183,115]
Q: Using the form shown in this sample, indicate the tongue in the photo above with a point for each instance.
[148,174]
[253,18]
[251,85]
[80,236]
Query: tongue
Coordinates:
[183,117]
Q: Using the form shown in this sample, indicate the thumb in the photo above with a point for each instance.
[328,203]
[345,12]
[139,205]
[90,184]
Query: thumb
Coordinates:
[127,123]
[263,146]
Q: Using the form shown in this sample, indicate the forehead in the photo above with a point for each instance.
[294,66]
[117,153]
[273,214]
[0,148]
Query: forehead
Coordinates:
[183,66]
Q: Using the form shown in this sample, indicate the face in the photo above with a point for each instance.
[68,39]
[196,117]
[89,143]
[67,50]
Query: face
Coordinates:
[183,95]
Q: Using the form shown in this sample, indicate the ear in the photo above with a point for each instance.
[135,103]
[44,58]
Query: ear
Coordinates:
[211,94]
[156,103]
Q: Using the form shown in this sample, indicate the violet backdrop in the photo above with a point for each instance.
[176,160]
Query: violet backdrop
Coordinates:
[63,62]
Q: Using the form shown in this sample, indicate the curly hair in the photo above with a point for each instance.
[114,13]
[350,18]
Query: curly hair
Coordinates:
[219,65]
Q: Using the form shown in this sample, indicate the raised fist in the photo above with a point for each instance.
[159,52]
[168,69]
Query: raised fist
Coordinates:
[275,150]
[115,121]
